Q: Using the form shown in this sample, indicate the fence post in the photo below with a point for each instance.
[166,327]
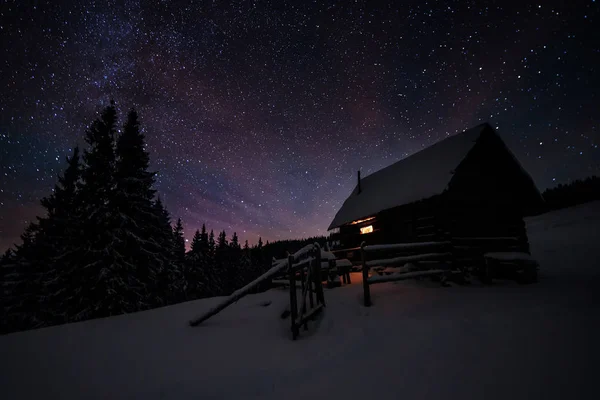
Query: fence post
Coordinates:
[365,272]
[318,280]
[311,283]
[293,301]
[347,272]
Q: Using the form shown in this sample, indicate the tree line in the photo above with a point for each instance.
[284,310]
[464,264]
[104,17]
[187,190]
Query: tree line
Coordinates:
[574,193]
[106,246]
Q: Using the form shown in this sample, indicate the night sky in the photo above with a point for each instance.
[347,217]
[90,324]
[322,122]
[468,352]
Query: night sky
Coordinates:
[258,114]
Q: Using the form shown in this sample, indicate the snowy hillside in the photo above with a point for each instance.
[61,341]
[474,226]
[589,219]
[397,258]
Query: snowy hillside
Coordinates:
[417,341]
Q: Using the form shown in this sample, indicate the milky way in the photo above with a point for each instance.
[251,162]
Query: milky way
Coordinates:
[258,114]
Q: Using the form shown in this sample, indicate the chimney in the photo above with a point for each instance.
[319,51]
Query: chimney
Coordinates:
[359,188]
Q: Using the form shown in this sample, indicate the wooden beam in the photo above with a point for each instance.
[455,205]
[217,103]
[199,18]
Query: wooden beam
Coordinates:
[407,246]
[407,275]
[342,250]
[238,294]
[308,315]
[407,259]
[302,264]
[423,227]
[486,239]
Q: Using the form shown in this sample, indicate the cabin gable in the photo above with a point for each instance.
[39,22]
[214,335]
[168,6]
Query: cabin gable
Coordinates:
[491,176]
[479,189]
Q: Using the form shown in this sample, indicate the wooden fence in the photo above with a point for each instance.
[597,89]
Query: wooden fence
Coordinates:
[403,253]
[308,272]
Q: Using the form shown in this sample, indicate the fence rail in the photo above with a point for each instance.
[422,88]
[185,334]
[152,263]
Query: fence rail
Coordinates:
[421,252]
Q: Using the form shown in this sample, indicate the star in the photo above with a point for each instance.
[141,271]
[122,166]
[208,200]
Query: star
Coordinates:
[257,116]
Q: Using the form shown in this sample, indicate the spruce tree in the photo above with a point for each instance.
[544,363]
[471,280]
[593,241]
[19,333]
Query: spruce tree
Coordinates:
[247,270]
[225,265]
[23,290]
[218,277]
[233,266]
[195,269]
[6,278]
[196,246]
[38,278]
[204,241]
[214,277]
[235,243]
[141,228]
[211,245]
[99,274]
[7,257]
[59,234]
[222,241]
[178,243]
[258,257]
[170,284]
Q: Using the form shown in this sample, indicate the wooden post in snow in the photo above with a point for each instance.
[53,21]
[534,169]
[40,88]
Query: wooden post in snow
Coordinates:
[317,275]
[293,299]
[365,272]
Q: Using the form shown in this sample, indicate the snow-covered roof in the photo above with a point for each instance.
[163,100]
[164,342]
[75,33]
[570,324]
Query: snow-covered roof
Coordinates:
[417,177]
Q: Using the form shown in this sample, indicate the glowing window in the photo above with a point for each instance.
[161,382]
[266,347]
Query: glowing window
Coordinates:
[366,229]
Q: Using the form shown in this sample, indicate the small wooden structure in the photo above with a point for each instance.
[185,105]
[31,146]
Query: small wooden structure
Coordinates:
[469,185]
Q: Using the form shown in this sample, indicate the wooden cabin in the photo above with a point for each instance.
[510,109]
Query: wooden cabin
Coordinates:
[467,186]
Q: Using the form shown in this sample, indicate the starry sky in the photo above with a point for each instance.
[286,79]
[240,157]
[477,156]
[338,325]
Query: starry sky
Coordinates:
[259,113]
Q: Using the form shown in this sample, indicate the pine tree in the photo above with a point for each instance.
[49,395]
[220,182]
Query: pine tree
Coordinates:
[222,242]
[60,205]
[38,278]
[7,256]
[196,247]
[218,277]
[5,263]
[248,270]
[6,281]
[233,266]
[214,277]
[258,257]
[211,245]
[196,269]
[204,241]
[226,264]
[99,276]
[178,243]
[144,233]
[235,244]
[170,278]
[59,233]
[22,298]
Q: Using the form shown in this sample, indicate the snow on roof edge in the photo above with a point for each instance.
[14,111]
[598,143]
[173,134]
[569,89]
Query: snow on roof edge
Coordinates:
[434,184]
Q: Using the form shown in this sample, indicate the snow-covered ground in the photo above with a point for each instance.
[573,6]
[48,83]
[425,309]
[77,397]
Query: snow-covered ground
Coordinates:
[417,341]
